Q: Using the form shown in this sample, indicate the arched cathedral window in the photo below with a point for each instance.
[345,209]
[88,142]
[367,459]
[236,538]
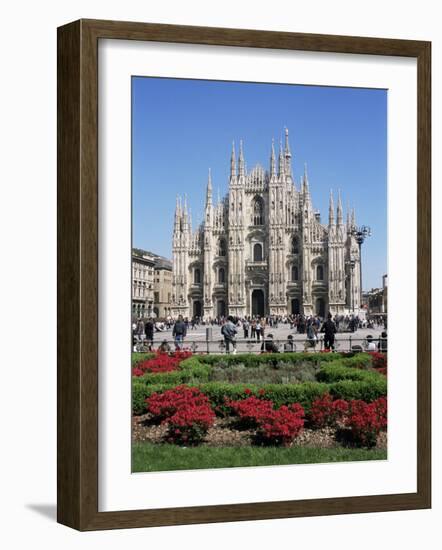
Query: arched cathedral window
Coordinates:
[221,275]
[222,249]
[258,211]
[295,273]
[257,252]
[197,276]
[319,273]
[295,245]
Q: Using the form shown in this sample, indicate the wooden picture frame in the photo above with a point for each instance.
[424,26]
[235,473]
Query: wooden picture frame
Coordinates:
[78,274]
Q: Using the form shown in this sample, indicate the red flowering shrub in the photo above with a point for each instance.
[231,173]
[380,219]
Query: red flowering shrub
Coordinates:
[185,410]
[366,420]
[250,411]
[274,426]
[379,362]
[281,426]
[162,362]
[326,412]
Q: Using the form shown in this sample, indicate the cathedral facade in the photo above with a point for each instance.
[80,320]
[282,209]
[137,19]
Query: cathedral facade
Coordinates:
[262,249]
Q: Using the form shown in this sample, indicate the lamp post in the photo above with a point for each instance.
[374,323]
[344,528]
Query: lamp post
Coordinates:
[351,263]
[360,234]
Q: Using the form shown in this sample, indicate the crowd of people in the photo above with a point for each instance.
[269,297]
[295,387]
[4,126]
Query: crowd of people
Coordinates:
[256,329]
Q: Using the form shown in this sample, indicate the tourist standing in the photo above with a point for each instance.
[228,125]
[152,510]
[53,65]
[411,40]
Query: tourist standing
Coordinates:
[149,330]
[253,329]
[329,330]
[245,327]
[179,332]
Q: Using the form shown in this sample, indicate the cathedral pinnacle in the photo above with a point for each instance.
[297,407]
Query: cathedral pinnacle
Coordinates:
[209,189]
[281,163]
[305,185]
[339,209]
[177,213]
[287,153]
[353,218]
[273,160]
[331,210]
[241,162]
[233,162]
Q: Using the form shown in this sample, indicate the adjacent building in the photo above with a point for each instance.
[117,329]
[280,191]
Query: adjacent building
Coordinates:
[263,249]
[143,263]
[151,285]
[162,288]
[376,299]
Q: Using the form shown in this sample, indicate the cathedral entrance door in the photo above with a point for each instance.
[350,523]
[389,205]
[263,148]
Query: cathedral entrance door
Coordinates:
[320,307]
[295,306]
[221,308]
[258,302]
[197,308]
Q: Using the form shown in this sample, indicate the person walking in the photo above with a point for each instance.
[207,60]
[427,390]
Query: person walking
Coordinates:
[258,330]
[329,330]
[179,332]
[228,330]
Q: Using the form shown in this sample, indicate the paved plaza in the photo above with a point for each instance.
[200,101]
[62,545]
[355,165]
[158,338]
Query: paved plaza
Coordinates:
[197,336]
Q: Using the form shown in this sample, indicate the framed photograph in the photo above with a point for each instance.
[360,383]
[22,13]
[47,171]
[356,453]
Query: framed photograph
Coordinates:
[243,274]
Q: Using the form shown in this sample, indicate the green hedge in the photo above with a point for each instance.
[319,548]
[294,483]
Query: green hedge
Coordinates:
[342,376]
[334,372]
[280,394]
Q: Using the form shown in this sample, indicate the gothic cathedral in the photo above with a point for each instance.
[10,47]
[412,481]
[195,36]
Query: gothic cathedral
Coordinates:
[263,250]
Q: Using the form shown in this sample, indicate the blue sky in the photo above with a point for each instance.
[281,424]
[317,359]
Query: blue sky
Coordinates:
[180,128]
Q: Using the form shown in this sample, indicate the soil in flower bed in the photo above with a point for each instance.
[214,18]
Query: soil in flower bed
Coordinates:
[222,435]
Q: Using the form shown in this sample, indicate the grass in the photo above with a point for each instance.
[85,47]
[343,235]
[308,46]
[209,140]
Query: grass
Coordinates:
[147,457]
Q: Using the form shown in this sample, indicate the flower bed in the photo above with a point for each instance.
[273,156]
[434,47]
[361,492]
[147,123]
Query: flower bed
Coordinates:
[346,397]
[188,415]
[160,363]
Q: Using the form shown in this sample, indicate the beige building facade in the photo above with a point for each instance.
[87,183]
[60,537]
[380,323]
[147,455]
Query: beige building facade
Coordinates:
[162,288]
[262,249]
[143,264]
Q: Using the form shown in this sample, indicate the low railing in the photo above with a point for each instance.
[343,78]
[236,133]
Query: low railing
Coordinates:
[249,345]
